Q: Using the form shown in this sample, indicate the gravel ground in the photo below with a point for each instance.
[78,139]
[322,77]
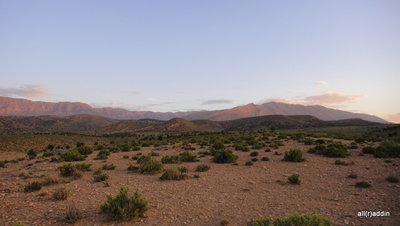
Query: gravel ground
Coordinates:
[235,193]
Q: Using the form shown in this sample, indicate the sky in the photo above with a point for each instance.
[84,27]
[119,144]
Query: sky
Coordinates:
[203,55]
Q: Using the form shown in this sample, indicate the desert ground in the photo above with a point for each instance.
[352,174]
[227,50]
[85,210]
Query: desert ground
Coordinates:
[233,194]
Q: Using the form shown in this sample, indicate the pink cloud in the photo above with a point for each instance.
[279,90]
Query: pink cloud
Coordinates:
[31,91]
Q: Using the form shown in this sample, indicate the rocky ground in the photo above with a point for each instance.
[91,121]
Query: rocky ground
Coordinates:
[235,193]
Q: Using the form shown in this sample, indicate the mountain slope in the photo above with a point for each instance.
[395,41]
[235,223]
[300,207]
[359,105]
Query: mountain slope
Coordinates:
[23,107]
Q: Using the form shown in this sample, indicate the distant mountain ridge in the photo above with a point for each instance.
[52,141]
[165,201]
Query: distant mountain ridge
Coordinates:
[103,125]
[22,107]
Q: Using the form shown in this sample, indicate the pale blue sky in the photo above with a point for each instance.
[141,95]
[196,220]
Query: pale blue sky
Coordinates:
[184,55]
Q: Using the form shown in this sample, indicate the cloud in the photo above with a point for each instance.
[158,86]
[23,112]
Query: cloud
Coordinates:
[393,118]
[217,101]
[25,91]
[322,83]
[328,98]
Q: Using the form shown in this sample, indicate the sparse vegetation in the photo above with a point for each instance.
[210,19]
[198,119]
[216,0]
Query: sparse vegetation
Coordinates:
[34,186]
[150,166]
[60,194]
[352,175]
[202,168]
[294,179]
[295,220]
[72,155]
[392,179]
[103,154]
[174,173]
[293,155]
[187,156]
[334,149]
[100,177]
[108,166]
[363,184]
[170,159]
[254,153]
[73,214]
[125,206]
[224,156]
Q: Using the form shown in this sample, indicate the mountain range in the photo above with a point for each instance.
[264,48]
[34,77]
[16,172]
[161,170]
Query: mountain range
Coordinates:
[103,125]
[23,107]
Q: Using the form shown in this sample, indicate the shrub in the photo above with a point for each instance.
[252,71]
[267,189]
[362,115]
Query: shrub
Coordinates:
[174,173]
[31,154]
[392,179]
[49,181]
[34,186]
[2,164]
[67,170]
[241,147]
[340,162]
[267,150]
[103,154]
[388,149]
[125,157]
[294,179]
[249,163]
[48,153]
[83,167]
[293,155]
[363,184]
[187,156]
[124,206]
[72,214]
[335,149]
[84,150]
[72,155]
[170,159]
[368,150]
[265,159]
[303,220]
[202,168]
[101,177]
[224,156]
[262,222]
[254,153]
[60,194]
[150,166]
[143,158]
[153,153]
[108,166]
[133,168]
[352,175]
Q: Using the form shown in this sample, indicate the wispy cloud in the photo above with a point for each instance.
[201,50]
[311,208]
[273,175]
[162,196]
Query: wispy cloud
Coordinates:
[328,98]
[322,83]
[30,90]
[393,118]
[216,101]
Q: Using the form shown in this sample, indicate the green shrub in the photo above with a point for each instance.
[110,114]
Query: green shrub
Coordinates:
[103,154]
[100,178]
[170,159]
[187,156]
[392,179]
[368,150]
[303,220]
[31,154]
[108,166]
[133,168]
[84,150]
[262,222]
[143,158]
[294,179]
[48,153]
[241,147]
[124,206]
[34,186]
[363,184]
[335,149]
[174,173]
[254,153]
[83,167]
[293,155]
[265,158]
[68,170]
[2,164]
[60,194]
[340,162]
[352,175]
[72,155]
[224,156]
[249,163]
[388,149]
[150,166]
[202,168]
